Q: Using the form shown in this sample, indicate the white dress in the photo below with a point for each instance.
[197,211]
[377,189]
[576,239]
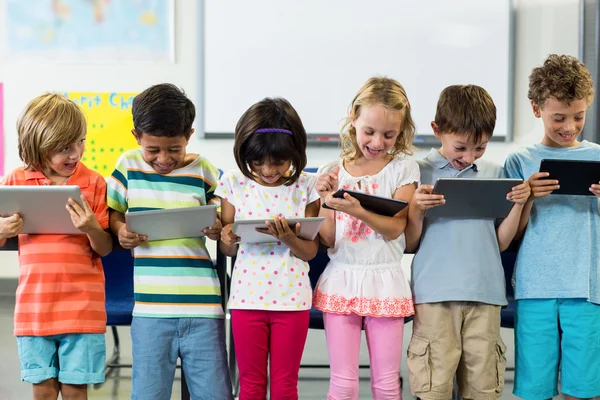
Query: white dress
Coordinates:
[364,275]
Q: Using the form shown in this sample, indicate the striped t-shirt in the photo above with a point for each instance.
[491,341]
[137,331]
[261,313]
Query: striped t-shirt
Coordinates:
[61,280]
[173,278]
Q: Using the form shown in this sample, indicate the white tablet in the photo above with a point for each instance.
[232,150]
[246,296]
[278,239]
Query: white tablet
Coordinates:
[246,229]
[171,223]
[473,198]
[43,208]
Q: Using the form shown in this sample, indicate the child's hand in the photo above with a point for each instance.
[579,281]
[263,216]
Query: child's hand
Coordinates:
[541,186]
[520,193]
[347,204]
[280,229]
[214,232]
[84,218]
[130,240]
[10,226]
[228,237]
[423,198]
[328,182]
[595,188]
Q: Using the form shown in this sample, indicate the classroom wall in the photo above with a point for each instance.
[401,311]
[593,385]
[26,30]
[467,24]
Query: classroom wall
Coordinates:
[542,27]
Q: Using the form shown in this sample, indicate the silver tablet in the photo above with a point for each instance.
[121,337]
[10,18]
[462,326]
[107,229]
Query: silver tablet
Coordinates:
[43,208]
[473,198]
[246,229]
[171,223]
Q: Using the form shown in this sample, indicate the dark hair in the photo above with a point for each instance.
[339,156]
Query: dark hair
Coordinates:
[562,77]
[163,110]
[251,146]
[466,110]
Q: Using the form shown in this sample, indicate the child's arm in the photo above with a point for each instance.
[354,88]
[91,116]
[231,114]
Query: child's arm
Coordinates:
[86,221]
[127,240]
[327,183]
[301,248]
[509,227]
[10,227]
[540,187]
[327,231]
[422,200]
[389,227]
[228,240]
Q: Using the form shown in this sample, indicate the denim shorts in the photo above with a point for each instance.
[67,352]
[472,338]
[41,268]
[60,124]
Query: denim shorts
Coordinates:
[73,358]
[557,332]
[199,342]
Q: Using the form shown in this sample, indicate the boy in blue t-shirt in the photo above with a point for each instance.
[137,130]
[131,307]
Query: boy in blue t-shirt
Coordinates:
[557,274]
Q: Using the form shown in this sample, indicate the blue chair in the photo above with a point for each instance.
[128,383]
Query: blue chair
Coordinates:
[118,274]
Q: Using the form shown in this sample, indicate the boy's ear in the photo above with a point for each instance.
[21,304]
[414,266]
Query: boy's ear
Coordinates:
[136,136]
[537,111]
[191,133]
[436,130]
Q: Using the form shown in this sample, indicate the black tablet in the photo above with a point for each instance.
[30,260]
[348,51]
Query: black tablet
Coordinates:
[473,198]
[574,176]
[375,204]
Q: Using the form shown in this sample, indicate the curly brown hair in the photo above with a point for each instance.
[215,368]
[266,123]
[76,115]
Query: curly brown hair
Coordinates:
[389,94]
[563,78]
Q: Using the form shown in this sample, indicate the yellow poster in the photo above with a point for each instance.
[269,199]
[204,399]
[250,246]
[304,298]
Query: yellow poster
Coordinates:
[109,125]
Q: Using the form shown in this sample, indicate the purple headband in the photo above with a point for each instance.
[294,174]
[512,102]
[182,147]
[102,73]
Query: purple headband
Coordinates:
[273,130]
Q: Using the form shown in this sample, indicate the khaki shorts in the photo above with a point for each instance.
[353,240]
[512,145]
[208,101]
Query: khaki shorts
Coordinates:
[456,338]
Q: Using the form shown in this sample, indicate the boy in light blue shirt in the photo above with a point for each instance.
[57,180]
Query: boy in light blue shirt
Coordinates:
[458,279]
[557,272]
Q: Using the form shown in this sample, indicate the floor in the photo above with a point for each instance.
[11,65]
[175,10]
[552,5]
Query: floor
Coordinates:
[313,382]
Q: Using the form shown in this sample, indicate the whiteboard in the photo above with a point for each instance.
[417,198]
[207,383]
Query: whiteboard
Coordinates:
[317,54]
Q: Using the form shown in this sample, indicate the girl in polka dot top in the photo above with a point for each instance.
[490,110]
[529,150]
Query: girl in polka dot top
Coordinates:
[364,284]
[270,291]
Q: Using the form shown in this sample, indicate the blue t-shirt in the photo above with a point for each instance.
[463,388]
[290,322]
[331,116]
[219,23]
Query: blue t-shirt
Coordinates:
[558,257]
[458,259]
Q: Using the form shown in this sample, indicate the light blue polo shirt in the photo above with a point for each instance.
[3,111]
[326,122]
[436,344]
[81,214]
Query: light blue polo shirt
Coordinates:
[458,259]
[558,257]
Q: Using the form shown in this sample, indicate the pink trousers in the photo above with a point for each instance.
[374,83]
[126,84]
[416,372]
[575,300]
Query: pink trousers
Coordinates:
[384,340]
[276,338]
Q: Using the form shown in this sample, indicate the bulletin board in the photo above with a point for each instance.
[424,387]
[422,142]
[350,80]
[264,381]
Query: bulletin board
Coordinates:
[109,125]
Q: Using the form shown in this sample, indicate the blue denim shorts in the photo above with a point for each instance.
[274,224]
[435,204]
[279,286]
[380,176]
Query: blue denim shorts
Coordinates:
[74,358]
[199,342]
[557,332]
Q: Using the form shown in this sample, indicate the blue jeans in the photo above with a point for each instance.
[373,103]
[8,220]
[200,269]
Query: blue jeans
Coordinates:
[199,342]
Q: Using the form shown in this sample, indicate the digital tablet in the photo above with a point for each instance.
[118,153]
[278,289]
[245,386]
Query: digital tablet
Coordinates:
[473,198]
[246,229]
[171,223]
[43,208]
[375,204]
[574,176]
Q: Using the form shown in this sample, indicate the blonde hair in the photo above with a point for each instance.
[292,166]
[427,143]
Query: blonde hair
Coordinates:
[49,123]
[391,95]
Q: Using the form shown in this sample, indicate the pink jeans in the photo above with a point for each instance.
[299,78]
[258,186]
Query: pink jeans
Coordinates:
[259,334]
[384,340]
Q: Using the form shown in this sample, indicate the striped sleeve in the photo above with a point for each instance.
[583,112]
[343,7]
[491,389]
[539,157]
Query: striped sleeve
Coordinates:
[116,191]
[211,177]
[99,206]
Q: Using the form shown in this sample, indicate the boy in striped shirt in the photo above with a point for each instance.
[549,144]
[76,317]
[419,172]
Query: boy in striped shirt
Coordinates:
[177,310]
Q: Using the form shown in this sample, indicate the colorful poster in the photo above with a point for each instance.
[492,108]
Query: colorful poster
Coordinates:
[93,30]
[1,129]
[109,125]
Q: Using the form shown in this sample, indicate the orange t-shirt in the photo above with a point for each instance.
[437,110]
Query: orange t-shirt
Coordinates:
[61,280]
